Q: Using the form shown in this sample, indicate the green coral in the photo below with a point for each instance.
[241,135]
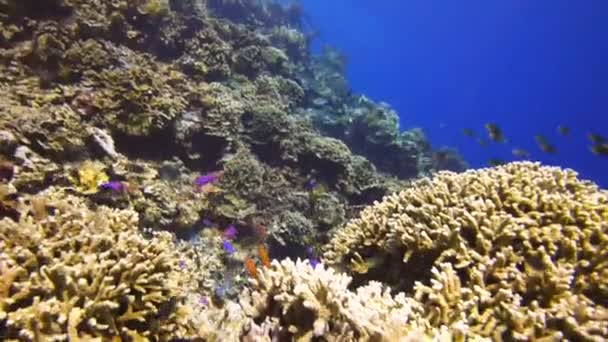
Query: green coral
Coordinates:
[154,8]
[291,229]
[233,207]
[328,211]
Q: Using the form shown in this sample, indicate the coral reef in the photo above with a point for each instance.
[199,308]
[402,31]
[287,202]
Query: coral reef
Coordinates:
[134,135]
[72,273]
[292,300]
[513,252]
[368,128]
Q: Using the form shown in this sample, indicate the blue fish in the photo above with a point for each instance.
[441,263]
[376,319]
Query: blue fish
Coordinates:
[228,247]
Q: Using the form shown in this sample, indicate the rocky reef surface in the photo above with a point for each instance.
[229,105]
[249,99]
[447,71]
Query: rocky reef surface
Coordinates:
[156,155]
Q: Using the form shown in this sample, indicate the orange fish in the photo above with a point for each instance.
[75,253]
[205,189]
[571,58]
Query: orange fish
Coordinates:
[251,268]
[264,256]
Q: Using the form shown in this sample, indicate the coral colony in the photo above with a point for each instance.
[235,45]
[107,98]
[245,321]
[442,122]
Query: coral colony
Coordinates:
[97,96]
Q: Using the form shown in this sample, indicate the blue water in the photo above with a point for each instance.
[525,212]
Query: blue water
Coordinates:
[446,65]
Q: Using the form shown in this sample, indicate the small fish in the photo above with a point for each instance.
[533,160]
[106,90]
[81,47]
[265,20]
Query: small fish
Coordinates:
[209,178]
[204,301]
[482,142]
[311,257]
[544,144]
[115,186]
[251,268]
[228,247]
[563,130]
[495,133]
[520,153]
[231,232]
[469,132]
[207,222]
[496,162]
[264,256]
[596,138]
[182,264]
[600,149]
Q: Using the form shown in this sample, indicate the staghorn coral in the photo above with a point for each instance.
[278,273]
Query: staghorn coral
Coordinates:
[296,301]
[515,252]
[72,273]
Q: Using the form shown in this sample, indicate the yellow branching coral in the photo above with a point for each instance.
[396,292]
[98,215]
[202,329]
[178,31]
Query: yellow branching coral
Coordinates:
[514,252]
[77,274]
[89,176]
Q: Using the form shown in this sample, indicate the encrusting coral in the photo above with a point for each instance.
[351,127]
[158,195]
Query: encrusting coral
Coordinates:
[515,252]
[69,273]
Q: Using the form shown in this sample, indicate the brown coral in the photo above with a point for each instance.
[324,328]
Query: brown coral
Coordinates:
[81,274]
[515,252]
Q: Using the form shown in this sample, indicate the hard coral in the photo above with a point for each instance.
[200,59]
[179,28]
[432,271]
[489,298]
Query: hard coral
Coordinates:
[89,176]
[299,302]
[140,99]
[79,274]
[515,252]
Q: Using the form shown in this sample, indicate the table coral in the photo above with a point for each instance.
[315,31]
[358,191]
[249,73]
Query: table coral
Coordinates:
[78,274]
[514,252]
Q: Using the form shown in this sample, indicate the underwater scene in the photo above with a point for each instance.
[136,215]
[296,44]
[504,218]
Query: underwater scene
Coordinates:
[264,170]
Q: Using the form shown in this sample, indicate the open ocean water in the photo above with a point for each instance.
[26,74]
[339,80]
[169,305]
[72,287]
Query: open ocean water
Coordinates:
[527,66]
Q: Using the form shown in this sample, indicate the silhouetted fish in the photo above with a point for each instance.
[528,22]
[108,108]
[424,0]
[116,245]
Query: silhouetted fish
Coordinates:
[520,153]
[496,162]
[600,149]
[482,142]
[544,144]
[468,132]
[596,138]
[495,133]
[563,130]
